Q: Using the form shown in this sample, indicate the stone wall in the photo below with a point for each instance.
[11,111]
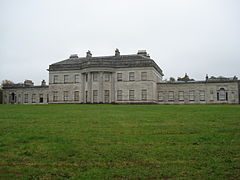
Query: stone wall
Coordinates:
[26,95]
[201,92]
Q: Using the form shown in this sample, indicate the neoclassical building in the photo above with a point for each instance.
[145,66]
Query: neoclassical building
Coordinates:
[119,79]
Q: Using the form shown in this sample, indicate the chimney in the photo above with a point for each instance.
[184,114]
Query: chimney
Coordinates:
[117,52]
[43,83]
[89,54]
[73,56]
[143,53]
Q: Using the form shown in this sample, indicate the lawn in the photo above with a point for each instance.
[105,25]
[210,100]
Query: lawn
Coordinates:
[119,142]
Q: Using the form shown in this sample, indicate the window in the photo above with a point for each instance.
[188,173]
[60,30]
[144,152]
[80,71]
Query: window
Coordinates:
[65,95]
[144,76]
[55,96]
[160,96]
[76,78]
[76,95]
[119,95]
[66,78]
[107,77]
[25,98]
[131,95]
[86,77]
[131,76]
[191,95]
[106,96]
[181,96]
[170,96]
[95,76]
[40,98]
[55,79]
[119,76]
[144,94]
[33,98]
[202,95]
[222,94]
[47,98]
[95,96]
[211,95]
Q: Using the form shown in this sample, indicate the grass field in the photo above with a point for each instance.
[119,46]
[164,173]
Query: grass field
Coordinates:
[119,142]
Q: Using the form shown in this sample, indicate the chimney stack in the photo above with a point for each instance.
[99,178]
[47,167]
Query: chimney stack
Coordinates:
[89,54]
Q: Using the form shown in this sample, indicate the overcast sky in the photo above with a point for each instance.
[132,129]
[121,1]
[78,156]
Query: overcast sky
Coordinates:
[197,37]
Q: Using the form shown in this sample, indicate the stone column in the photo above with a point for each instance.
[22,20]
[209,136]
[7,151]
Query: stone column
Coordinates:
[112,87]
[101,93]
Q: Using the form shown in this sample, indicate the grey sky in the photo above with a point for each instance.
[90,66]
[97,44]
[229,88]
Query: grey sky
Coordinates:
[197,37]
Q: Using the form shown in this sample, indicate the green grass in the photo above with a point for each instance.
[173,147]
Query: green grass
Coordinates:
[119,142]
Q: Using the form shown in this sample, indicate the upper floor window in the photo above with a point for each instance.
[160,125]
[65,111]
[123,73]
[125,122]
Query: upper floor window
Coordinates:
[143,76]
[55,79]
[107,76]
[76,78]
[131,76]
[95,76]
[119,76]
[66,78]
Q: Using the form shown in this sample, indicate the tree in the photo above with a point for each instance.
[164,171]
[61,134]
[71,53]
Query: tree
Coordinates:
[7,83]
[172,79]
[1,95]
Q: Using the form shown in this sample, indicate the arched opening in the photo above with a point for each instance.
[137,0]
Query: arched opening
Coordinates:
[12,98]
[222,95]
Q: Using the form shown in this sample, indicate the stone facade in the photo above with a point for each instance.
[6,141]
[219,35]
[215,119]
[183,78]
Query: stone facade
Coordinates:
[199,92]
[118,79]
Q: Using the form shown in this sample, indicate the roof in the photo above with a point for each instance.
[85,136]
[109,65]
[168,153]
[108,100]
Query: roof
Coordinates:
[119,61]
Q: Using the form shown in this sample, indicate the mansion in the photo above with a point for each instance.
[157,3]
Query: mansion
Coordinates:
[119,79]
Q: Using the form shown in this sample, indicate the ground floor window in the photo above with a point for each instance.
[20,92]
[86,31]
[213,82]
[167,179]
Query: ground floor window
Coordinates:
[76,95]
[202,95]
[181,96]
[119,95]
[160,96]
[131,95]
[55,96]
[25,98]
[95,96]
[106,96]
[170,96]
[191,95]
[33,98]
[144,94]
[65,95]
[222,95]
[40,98]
